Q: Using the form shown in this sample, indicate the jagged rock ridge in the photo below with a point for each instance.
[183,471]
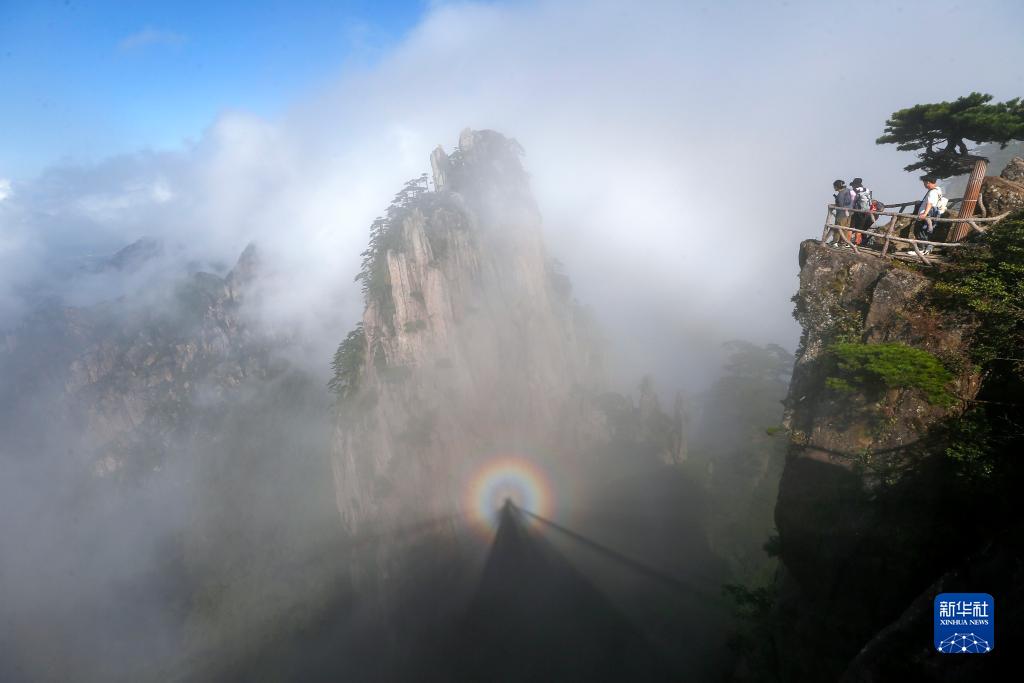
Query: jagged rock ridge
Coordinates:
[125,377]
[470,345]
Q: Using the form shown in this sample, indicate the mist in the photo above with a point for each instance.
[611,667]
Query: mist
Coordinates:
[678,154]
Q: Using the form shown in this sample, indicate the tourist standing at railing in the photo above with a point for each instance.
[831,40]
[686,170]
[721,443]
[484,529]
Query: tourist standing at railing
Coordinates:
[862,201]
[927,210]
[843,197]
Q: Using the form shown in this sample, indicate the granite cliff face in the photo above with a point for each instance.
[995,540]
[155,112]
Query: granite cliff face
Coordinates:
[845,548]
[470,346]
[470,349]
[872,513]
[863,299]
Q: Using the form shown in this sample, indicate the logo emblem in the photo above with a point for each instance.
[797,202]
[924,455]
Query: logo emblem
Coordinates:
[965,623]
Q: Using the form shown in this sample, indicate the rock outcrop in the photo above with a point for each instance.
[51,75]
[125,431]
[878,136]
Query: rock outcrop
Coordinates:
[1014,171]
[847,297]
[470,345]
[1005,192]
[860,519]
[1001,195]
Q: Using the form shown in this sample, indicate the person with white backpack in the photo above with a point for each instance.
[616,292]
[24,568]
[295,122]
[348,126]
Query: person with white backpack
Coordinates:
[862,202]
[931,206]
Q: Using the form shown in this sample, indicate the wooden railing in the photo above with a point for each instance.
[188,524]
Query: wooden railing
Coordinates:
[900,220]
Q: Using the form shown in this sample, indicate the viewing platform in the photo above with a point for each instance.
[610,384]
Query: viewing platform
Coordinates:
[888,240]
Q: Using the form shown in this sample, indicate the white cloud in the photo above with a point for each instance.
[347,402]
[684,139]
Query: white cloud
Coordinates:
[5,189]
[150,37]
[679,155]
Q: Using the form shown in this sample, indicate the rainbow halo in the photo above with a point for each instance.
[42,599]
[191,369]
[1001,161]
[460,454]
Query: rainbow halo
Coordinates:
[510,477]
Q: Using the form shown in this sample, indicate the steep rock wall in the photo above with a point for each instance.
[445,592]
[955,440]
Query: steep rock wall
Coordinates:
[860,517]
[472,347]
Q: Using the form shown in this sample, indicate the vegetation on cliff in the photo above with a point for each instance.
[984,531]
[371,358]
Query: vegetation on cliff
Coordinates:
[872,367]
[385,236]
[375,282]
[988,281]
[348,363]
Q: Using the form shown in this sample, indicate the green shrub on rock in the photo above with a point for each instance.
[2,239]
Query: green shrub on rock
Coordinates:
[892,366]
[348,363]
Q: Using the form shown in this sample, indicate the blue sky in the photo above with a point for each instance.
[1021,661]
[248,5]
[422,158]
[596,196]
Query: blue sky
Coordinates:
[83,80]
[656,133]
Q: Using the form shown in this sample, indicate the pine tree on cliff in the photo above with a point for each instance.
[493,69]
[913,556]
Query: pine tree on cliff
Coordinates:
[940,132]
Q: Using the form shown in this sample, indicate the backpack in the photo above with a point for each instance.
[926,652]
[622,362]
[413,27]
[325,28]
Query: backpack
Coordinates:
[862,200]
[943,203]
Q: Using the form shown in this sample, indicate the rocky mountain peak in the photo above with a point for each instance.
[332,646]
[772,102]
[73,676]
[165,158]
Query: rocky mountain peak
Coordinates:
[482,157]
[469,345]
[134,255]
[245,272]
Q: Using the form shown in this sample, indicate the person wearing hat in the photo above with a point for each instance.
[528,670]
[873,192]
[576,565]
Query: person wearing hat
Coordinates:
[842,197]
[861,202]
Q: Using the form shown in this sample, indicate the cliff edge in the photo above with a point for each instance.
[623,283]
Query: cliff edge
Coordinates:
[898,484]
